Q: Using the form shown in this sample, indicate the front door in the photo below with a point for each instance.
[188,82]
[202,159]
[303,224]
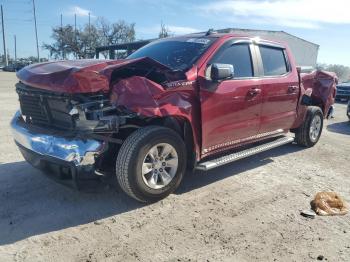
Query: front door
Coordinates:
[230,109]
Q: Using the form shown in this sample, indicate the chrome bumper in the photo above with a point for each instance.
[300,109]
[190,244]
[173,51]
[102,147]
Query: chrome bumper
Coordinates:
[76,152]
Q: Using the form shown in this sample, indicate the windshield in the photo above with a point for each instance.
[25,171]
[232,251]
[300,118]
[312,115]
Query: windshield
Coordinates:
[176,53]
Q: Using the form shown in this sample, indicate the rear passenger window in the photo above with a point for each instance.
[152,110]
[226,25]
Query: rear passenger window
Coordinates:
[238,56]
[273,60]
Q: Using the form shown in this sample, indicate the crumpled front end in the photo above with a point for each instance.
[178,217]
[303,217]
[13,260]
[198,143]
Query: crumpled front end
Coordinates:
[149,99]
[79,128]
[47,150]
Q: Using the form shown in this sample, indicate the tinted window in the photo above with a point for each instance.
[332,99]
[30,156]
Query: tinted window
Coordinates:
[274,61]
[176,53]
[238,56]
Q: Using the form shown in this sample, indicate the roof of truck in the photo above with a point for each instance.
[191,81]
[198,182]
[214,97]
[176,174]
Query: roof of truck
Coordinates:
[228,35]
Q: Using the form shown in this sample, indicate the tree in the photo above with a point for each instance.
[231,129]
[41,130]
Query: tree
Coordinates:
[114,33]
[164,31]
[63,39]
[83,42]
[343,72]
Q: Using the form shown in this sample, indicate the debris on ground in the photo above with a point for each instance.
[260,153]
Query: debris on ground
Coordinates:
[329,204]
[308,213]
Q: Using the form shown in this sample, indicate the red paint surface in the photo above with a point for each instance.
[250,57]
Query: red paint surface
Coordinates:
[280,99]
[232,113]
[79,76]
[322,87]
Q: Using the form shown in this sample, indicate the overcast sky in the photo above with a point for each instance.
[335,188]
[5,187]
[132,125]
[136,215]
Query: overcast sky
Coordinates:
[326,23]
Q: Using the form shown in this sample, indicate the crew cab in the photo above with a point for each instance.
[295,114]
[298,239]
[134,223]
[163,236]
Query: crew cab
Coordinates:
[197,101]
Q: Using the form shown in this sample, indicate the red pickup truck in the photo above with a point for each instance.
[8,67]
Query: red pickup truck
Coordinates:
[192,102]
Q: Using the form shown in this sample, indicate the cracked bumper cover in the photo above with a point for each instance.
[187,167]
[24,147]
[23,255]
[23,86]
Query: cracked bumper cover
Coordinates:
[79,153]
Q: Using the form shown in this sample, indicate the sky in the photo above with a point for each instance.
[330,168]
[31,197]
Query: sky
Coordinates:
[326,23]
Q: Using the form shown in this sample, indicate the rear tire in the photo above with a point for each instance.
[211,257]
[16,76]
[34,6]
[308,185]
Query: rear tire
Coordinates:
[151,163]
[310,131]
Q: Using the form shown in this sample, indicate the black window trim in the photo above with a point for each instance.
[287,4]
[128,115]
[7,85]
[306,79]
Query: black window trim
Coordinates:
[261,65]
[253,57]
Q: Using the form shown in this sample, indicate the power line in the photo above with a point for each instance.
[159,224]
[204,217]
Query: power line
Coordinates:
[19,1]
[19,20]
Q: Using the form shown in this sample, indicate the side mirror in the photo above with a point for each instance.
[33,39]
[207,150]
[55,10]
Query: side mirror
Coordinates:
[221,72]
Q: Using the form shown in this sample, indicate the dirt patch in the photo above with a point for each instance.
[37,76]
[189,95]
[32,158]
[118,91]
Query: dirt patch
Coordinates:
[245,211]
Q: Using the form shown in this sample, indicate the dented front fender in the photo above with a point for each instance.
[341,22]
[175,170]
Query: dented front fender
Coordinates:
[150,99]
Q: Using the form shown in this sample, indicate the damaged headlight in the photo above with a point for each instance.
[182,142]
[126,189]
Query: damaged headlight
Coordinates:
[97,116]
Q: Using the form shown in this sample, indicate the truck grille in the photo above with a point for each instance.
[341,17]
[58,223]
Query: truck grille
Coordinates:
[44,109]
[33,107]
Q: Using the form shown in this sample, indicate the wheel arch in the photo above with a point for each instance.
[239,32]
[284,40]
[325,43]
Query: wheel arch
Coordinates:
[183,127]
[306,102]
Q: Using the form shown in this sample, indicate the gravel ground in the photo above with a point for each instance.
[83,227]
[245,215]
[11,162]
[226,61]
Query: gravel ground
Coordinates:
[245,211]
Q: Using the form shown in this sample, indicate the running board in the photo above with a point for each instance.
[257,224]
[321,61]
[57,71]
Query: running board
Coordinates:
[242,154]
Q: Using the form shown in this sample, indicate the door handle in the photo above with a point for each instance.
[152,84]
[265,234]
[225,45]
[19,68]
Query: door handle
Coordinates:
[292,89]
[254,91]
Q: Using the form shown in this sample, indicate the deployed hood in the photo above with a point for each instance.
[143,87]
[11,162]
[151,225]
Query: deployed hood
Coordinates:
[80,76]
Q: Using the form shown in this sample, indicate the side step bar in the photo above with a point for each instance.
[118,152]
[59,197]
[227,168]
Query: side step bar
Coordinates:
[242,154]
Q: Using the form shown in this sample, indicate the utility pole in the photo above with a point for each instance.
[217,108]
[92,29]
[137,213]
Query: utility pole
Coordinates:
[89,23]
[89,37]
[36,33]
[75,33]
[3,37]
[15,49]
[62,37]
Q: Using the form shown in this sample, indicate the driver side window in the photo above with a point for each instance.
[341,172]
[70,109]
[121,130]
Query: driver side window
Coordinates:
[237,55]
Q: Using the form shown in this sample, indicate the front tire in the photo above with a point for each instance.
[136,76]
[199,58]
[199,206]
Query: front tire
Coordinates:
[151,163]
[310,131]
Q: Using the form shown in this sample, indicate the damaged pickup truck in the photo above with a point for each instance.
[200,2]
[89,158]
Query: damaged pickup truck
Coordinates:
[191,102]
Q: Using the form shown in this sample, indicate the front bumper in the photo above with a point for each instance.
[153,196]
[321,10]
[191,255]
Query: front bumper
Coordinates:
[42,148]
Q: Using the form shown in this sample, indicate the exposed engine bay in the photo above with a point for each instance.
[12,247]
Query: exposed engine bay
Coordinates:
[89,113]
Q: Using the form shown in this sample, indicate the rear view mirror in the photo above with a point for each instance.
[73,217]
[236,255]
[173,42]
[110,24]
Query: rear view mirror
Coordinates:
[221,72]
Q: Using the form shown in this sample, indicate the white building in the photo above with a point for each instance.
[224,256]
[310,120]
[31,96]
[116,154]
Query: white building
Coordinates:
[305,52]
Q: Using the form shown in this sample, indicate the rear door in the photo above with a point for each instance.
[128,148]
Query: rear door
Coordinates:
[280,88]
[230,109]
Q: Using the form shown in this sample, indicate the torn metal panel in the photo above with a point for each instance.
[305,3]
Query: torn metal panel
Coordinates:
[150,99]
[321,87]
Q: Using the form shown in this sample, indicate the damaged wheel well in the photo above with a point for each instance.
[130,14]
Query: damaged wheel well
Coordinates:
[177,123]
[183,127]
[312,101]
